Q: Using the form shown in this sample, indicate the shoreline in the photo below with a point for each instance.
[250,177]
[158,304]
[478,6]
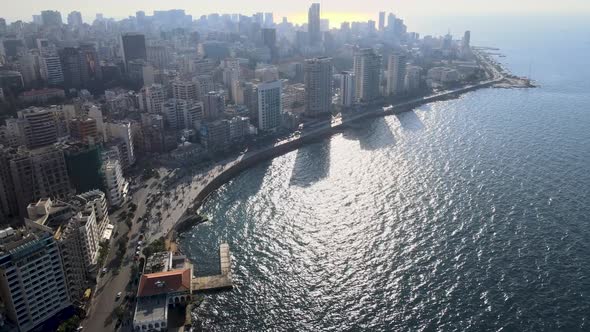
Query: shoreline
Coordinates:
[248,160]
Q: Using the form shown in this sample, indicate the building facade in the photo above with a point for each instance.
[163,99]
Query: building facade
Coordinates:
[396,74]
[318,86]
[270,105]
[32,279]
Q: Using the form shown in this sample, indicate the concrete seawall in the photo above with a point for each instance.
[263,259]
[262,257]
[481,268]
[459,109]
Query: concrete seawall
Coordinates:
[250,160]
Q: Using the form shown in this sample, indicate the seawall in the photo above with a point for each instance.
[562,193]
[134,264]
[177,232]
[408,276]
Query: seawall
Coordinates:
[250,160]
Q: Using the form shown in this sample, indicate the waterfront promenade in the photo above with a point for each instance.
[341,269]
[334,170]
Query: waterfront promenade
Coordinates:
[193,190]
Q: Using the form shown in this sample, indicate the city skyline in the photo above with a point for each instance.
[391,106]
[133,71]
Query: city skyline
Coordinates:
[296,12]
[338,148]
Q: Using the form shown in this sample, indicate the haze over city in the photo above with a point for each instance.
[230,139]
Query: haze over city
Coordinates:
[294,166]
[334,10]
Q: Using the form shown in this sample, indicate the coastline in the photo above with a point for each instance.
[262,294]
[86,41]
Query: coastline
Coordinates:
[500,78]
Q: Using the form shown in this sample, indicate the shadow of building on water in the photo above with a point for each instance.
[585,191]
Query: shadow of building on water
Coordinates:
[410,121]
[372,134]
[312,164]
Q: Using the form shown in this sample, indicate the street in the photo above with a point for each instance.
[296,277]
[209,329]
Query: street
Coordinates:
[100,313]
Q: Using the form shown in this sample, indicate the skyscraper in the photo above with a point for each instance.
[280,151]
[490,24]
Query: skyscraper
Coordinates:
[51,70]
[39,173]
[182,114]
[151,97]
[467,39]
[133,47]
[122,132]
[371,27]
[269,105]
[75,19]
[187,90]
[367,70]
[269,20]
[70,61]
[32,279]
[40,127]
[396,73]
[381,21]
[214,105]
[347,82]
[269,38]
[51,18]
[313,24]
[318,86]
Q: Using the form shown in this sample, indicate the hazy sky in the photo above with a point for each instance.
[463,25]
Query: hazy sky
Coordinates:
[335,10]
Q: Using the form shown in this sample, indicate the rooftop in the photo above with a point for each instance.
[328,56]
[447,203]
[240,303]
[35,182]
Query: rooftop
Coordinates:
[151,310]
[39,92]
[164,282]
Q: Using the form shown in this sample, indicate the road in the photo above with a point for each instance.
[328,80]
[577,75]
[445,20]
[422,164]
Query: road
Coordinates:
[183,194]
[100,312]
[186,189]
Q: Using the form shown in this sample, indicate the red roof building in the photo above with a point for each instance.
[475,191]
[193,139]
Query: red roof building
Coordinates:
[162,283]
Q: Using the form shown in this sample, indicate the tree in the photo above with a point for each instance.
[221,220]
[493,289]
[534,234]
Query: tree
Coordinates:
[69,325]
[119,312]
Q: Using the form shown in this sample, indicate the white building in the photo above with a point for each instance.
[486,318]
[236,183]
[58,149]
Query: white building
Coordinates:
[270,105]
[151,98]
[98,201]
[51,70]
[182,114]
[95,113]
[347,81]
[166,281]
[442,75]
[122,131]
[116,185]
[367,73]
[413,78]
[318,86]
[396,74]
[32,279]
[78,226]
[186,90]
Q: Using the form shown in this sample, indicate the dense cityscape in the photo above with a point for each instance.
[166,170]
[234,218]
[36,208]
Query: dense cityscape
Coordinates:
[115,130]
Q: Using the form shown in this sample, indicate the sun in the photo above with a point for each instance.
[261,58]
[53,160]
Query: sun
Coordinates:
[335,18]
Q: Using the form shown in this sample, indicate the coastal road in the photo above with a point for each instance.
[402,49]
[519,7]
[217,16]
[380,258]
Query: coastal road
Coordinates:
[103,302]
[189,187]
[184,194]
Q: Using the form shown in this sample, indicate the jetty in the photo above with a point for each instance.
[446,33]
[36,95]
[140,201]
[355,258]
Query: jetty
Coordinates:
[219,281]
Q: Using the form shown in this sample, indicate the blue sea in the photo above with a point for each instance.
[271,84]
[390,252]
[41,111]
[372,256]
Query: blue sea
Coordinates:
[464,215]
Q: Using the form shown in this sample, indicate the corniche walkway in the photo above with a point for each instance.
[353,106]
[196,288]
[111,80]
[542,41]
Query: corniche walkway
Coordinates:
[225,173]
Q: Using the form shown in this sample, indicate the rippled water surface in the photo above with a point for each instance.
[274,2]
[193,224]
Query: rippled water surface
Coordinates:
[465,215]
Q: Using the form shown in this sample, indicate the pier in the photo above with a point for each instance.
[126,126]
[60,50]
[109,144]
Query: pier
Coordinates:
[219,281]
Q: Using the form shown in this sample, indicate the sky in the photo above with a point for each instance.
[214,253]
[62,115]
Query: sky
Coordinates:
[336,11]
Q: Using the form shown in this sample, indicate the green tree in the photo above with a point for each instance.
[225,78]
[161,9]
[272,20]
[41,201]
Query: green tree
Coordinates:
[69,325]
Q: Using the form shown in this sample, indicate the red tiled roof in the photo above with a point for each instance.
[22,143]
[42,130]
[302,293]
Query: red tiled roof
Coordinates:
[164,282]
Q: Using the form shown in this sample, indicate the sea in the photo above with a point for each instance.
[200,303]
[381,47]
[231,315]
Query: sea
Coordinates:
[470,214]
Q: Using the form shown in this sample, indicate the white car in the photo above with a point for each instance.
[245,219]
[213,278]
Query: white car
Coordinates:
[118,296]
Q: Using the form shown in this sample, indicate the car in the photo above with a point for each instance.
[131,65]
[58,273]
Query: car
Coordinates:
[139,243]
[118,296]
[104,270]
